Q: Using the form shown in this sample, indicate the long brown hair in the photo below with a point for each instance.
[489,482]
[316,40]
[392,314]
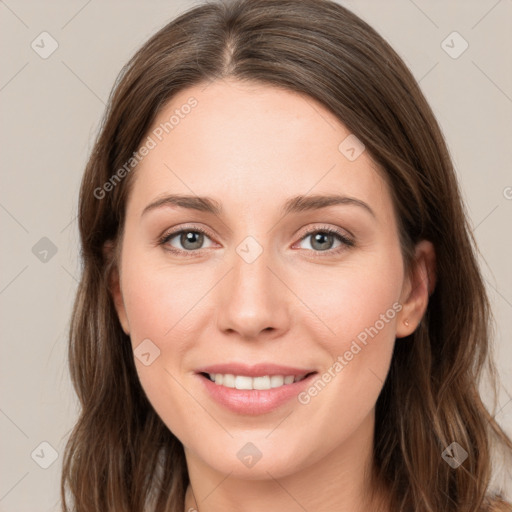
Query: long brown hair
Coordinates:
[120,456]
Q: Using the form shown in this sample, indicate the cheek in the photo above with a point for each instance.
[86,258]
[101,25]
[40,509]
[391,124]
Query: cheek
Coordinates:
[161,306]
[359,312]
[160,302]
[358,301]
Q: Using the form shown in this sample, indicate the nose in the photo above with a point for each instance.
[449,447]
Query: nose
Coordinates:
[253,300]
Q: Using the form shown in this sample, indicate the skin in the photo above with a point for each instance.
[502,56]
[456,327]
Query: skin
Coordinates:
[251,147]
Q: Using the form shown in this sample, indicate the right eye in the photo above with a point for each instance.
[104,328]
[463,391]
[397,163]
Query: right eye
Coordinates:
[191,240]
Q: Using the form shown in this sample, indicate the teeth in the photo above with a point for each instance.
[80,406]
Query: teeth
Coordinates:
[261,382]
[244,382]
[228,380]
[276,381]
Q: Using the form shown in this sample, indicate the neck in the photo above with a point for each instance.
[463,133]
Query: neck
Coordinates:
[341,481]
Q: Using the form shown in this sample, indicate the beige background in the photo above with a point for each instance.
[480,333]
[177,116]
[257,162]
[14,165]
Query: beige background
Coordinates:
[51,110]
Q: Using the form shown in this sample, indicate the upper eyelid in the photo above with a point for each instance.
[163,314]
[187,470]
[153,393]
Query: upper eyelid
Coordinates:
[173,232]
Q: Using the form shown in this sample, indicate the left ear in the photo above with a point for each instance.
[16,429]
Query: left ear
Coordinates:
[418,286]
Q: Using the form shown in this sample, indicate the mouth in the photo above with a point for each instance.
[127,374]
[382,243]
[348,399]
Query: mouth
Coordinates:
[254,390]
[261,383]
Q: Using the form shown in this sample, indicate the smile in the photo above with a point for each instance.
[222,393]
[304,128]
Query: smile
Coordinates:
[253,389]
[245,382]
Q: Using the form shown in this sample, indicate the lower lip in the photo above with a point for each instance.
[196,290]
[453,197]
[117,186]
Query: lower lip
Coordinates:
[254,401]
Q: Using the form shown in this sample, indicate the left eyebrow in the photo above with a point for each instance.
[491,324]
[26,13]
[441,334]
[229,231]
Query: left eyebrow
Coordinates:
[316,202]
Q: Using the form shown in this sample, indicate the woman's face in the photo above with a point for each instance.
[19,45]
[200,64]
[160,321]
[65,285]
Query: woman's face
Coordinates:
[265,293]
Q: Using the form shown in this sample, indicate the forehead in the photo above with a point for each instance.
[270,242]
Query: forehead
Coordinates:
[246,143]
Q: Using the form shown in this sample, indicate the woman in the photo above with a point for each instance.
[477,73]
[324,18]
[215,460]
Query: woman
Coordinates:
[224,356]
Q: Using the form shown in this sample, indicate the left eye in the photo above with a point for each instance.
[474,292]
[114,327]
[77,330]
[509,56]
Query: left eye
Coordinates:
[323,240]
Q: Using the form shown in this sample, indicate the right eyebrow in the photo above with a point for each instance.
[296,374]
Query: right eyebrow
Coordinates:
[203,204]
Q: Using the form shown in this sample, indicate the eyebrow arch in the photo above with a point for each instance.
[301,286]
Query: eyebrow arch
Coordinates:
[297,204]
[316,202]
[203,204]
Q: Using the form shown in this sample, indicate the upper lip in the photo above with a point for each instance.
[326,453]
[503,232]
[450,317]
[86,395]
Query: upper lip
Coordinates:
[257,370]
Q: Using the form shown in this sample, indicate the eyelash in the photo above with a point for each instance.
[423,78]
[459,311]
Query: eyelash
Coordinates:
[347,242]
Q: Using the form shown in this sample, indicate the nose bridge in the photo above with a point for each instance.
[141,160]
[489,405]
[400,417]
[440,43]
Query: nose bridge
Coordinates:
[251,299]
